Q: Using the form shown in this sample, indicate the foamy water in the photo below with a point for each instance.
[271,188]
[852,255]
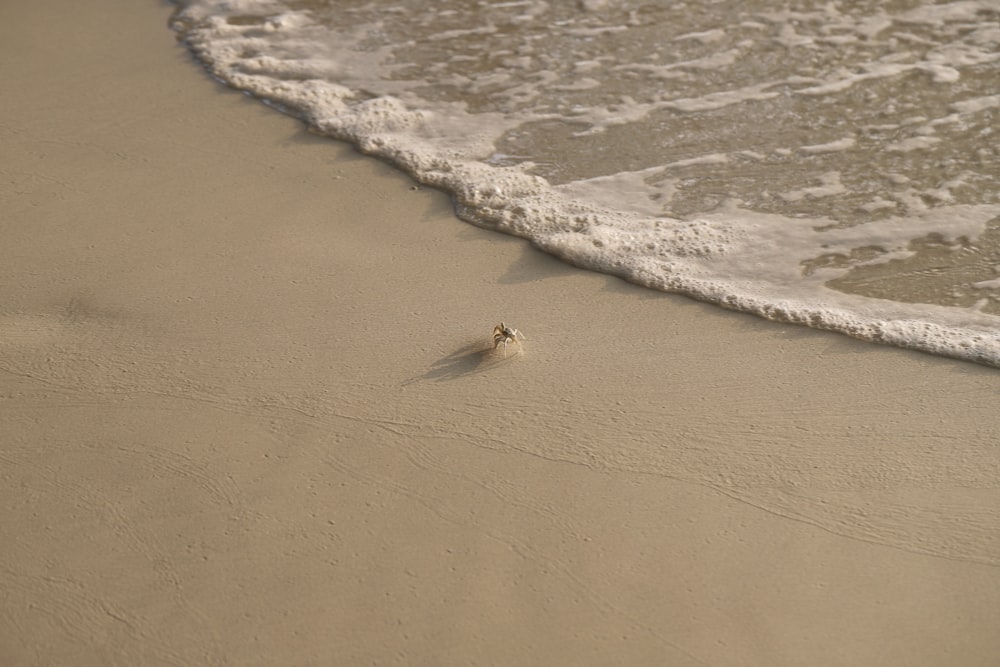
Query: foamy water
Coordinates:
[833,164]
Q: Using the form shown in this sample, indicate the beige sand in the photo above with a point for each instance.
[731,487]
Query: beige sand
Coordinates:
[245,417]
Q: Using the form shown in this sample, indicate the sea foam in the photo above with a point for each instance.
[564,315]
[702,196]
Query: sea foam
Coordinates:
[832,165]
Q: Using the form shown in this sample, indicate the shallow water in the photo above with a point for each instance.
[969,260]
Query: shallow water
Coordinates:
[833,164]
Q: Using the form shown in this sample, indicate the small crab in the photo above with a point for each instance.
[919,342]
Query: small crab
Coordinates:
[505,334]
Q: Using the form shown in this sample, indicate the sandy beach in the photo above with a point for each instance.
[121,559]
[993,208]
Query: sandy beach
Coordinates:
[250,414]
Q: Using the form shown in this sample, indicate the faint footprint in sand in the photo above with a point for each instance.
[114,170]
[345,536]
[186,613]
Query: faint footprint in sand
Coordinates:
[59,344]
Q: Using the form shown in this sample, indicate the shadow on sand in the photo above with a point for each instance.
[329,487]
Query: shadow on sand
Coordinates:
[470,359]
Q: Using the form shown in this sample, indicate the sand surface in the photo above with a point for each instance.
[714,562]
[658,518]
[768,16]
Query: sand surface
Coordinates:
[247,417]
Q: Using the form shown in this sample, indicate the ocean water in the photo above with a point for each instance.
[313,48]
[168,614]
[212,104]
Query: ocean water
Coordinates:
[834,164]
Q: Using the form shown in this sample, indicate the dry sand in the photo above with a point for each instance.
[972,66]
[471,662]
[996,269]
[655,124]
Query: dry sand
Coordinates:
[245,417]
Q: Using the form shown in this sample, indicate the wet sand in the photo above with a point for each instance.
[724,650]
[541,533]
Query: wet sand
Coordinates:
[251,415]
